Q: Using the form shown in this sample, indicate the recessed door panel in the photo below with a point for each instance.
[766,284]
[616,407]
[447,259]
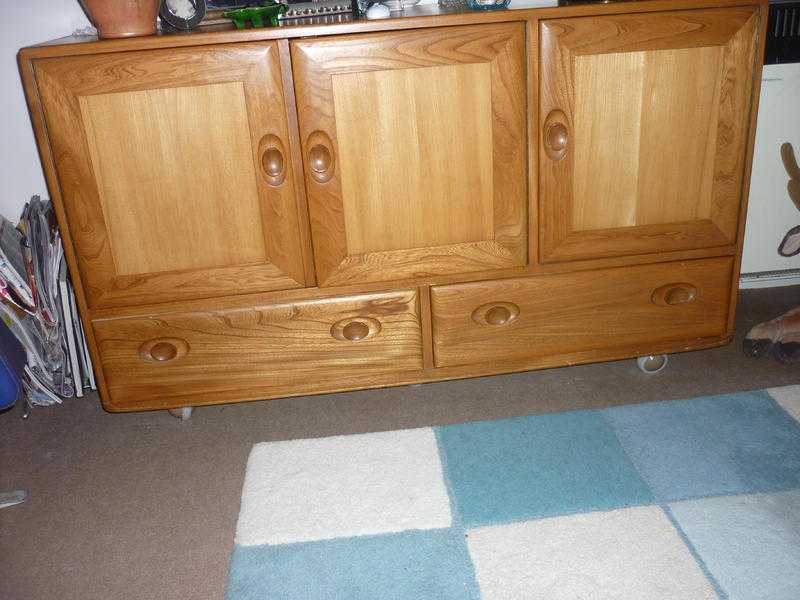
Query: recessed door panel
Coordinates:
[407,136]
[415,151]
[175,172]
[138,141]
[644,131]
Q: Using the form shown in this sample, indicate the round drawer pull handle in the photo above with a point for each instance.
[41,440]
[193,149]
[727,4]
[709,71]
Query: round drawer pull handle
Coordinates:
[163,350]
[674,294]
[355,329]
[496,314]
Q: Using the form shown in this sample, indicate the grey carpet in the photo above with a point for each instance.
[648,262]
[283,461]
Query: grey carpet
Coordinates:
[144,506]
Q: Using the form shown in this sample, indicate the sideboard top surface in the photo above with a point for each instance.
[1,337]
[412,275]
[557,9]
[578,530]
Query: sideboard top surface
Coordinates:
[429,15]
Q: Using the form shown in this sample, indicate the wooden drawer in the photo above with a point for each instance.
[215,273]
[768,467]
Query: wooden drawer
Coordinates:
[221,355]
[590,313]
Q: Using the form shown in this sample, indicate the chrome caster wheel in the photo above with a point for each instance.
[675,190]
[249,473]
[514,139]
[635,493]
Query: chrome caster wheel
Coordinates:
[653,363]
[184,414]
[12,498]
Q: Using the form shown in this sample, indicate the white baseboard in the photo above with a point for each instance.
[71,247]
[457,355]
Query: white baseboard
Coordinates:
[766,279]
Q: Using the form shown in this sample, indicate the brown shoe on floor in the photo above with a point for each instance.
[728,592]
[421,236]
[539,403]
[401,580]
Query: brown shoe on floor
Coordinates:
[780,336]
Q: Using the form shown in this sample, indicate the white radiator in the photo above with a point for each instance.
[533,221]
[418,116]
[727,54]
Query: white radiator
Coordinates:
[771,214]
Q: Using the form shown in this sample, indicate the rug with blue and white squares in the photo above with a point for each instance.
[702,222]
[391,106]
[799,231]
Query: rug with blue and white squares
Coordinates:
[683,500]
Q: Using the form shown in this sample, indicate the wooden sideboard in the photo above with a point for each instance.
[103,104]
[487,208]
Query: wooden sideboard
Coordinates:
[264,213]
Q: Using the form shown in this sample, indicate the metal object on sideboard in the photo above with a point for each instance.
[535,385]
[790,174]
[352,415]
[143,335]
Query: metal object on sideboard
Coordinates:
[182,15]
[316,8]
[320,12]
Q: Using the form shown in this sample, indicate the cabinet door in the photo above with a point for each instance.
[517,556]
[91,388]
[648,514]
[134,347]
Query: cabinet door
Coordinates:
[175,172]
[415,151]
[644,128]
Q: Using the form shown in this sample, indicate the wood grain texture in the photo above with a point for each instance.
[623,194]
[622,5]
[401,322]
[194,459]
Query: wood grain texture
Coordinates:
[350,382]
[415,147]
[680,109]
[138,141]
[296,157]
[196,302]
[274,348]
[355,287]
[364,217]
[627,171]
[227,321]
[533,126]
[657,108]
[596,310]
[36,112]
[755,94]
[605,140]
[425,318]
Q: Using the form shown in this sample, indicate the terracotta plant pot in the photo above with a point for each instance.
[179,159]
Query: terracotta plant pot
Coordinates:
[122,18]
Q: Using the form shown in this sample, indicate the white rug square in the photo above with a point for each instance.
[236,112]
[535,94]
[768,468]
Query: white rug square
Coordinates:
[627,554]
[317,489]
[789,398]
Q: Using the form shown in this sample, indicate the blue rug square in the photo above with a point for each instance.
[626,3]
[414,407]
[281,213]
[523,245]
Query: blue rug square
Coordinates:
[728,444]
[414,565]
[532,467]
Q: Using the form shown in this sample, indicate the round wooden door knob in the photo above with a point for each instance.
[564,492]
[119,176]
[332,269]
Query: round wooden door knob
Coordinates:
[272,162]
[320,159]
[355,331]
[557,137]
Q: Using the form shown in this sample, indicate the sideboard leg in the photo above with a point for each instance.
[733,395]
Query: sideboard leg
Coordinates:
[184,414]
[653,363]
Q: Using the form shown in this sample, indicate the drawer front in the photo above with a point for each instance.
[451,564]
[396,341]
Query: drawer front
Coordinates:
[251,353]
[595,311]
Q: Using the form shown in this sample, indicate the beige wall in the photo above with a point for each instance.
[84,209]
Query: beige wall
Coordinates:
[25,22]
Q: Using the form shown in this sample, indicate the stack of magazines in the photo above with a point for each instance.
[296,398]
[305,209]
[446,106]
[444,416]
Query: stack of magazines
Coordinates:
[37,303]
